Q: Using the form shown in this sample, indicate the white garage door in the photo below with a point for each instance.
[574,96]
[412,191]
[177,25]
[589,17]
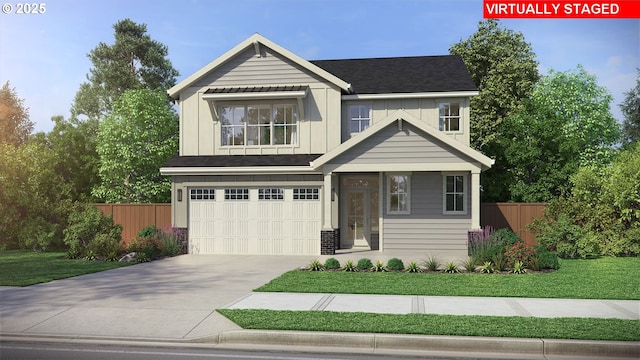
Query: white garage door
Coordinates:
[275,221]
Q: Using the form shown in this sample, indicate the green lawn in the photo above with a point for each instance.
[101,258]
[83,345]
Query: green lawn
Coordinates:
[23,268]
[491,326]
[603,278]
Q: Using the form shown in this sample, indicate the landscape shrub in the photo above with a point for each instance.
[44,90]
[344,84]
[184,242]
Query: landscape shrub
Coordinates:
[469,264]
[315,265]
[519,268]
[546,259]
[151,247]
[413,267]
[364,264]
[519,251]
[148,231]
[86,223]
[487,268]
[432,263]
[378,266]
[331,264]
[104,247]
[559,235]
[491,245]
[349,266]
[155,243]
[479,241]
[395,264]
[451,268]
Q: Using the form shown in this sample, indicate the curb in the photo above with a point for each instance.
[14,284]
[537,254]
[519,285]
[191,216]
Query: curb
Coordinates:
[423,343]
[375,343]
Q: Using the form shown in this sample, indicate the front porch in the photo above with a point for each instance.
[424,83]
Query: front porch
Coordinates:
[420,212]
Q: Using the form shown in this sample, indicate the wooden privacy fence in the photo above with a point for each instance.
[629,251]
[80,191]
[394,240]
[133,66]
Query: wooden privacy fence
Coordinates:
[135,217]
[514,216]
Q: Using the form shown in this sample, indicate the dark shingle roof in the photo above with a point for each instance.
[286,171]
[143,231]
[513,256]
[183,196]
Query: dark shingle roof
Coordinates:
[402,74]
[241,160]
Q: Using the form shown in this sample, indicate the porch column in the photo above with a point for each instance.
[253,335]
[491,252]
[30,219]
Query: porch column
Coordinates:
[327,193]
[475,199]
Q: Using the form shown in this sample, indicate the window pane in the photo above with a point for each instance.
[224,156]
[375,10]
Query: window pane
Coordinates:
[459,184]
[444,109]
[450,184]
[454,124]
[459,202]
[393,203]
[450,202]
[454,109]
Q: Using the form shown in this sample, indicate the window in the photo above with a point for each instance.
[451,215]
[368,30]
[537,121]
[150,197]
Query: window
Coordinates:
[305,194]
[258,125]
[270,194]
[236,194]
[359,118]
[398,188]
[450,117]
[202,194]
[454,194]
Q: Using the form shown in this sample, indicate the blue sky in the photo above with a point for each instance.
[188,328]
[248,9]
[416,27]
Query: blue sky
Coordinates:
[44,55]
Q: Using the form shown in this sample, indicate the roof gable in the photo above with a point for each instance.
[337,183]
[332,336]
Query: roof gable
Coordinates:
[402,115]
[255,41]
[418,74]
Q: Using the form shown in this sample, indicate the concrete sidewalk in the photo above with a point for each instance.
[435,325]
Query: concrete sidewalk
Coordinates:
[444,305]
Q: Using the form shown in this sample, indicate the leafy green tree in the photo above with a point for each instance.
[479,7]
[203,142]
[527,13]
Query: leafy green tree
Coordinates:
[588,126]
[535,153]
[75,159]
[133,143]
[631,110]
[565,123]
[134,61]
[32,198]
[503,67]
[15,125]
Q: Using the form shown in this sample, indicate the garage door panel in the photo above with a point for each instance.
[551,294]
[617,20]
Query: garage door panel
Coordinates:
[279,226]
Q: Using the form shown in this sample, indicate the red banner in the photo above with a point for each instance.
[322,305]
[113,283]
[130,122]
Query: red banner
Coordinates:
[589,9]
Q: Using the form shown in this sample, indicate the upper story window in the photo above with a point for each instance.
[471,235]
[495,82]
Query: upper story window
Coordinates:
[450,117]
[359,118]
[259,124]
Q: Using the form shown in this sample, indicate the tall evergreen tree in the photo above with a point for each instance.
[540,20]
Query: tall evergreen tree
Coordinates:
[133,61]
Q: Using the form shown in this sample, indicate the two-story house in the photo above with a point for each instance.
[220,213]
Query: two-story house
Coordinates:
[280,155]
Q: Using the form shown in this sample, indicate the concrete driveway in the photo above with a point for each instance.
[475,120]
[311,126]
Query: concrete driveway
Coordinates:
[173,298]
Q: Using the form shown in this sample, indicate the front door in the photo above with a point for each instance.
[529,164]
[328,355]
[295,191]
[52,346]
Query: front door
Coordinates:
[358,226]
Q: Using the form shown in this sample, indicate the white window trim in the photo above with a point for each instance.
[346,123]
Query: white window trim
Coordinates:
[460,119]
[349,118]
[388,195]
[295,141]
[465,193]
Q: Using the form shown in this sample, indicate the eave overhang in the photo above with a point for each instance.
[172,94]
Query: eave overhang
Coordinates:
[424,95]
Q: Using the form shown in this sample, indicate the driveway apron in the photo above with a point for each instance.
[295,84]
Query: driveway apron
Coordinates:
[173,298]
